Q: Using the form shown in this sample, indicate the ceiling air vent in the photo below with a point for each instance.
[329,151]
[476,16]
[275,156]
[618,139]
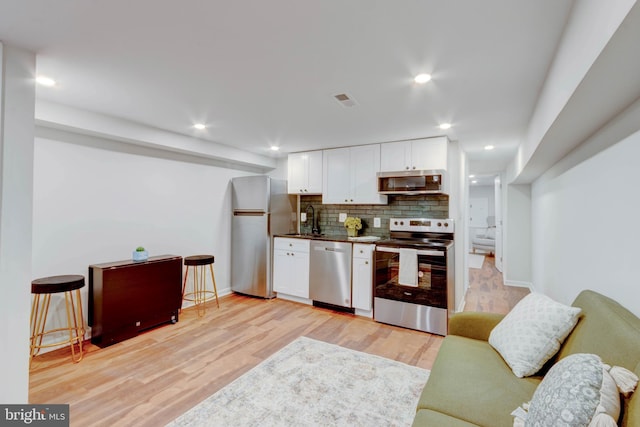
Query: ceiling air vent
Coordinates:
[345,100]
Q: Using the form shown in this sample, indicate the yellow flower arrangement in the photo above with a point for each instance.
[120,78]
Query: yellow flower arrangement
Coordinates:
[352,224]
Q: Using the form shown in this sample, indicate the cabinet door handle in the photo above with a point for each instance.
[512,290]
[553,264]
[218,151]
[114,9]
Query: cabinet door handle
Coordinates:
[366,262]
[407,167]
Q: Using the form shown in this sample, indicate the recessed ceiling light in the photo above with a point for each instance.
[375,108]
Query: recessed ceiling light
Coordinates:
[422,78]
[445,126]
[200,126]
[472,176]
[489,147]
[274,148]
[474,181]
[45,81]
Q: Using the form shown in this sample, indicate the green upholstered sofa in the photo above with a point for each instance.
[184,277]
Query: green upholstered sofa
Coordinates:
[471,385]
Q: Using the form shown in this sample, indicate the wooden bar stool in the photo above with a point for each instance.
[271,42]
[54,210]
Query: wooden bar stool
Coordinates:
[200,294]
[43,289]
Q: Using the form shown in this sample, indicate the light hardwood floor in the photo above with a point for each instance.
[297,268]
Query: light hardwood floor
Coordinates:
[151,379]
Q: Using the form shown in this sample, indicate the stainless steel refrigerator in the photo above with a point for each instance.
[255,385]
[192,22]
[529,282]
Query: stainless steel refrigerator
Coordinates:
[261,209]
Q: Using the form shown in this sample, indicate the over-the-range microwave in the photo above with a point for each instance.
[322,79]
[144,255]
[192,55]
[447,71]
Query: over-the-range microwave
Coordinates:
[413,182]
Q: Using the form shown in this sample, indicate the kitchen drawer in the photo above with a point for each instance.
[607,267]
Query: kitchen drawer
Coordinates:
[363,250]
[297,245]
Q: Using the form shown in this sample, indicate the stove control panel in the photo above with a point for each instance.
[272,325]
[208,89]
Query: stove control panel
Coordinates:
[426,225]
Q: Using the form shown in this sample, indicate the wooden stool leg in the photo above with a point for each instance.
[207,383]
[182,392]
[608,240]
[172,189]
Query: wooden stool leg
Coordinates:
[184,286]
[215,288]
[184,283]
[39,310]
[80,321]
[76,334]
[200,296]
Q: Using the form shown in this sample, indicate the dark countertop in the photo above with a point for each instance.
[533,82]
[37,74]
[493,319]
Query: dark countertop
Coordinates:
[327,237]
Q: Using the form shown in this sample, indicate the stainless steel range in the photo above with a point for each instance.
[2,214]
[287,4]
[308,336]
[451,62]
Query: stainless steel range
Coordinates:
[413,283]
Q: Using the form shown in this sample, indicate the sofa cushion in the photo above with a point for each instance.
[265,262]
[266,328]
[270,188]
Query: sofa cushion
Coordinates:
[427,417]
[576,390]
[612,332]
[532,332]
[607,329]
[470,381]
[473,324]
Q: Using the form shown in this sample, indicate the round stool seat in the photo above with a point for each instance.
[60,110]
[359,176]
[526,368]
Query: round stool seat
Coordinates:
[199,260]
[73,332]
[199,294]
[55,284]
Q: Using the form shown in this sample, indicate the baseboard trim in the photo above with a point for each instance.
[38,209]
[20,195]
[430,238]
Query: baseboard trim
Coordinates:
[463,303]
[294,298]
[519,284]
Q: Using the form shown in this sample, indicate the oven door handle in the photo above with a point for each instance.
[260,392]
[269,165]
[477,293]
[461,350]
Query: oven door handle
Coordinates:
[419,252]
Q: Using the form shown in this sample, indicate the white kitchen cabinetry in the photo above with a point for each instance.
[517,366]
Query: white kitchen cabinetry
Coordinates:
[305,173]
[291,266]
[362,277]
[349,175]
[418,154]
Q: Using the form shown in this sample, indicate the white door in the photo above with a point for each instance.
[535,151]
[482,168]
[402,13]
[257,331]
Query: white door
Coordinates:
[478,211]
[498,200]
[365,163]
[314,171]
[395,156]
[429,154]
[297,177]
[336,176]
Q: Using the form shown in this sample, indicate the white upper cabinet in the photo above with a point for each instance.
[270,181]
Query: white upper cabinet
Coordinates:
[418,154]
[349,175]
[305,173]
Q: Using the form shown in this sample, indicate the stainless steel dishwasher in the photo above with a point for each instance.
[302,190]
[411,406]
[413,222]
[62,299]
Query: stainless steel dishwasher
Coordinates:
[330,273]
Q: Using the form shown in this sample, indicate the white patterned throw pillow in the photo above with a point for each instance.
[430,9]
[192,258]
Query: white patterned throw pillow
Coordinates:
[578,391]
[532,332]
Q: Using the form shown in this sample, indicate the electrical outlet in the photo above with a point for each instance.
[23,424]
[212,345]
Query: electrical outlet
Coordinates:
[342,217]
[376,222]
[303,217]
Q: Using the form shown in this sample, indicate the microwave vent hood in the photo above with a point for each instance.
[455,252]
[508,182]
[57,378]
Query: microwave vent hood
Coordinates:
[413,182]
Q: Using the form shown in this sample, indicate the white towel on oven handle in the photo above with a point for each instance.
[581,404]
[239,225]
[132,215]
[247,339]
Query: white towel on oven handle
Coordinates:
[408,268]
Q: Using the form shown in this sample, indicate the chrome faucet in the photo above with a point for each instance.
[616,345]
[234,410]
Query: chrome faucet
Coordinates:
[314,227]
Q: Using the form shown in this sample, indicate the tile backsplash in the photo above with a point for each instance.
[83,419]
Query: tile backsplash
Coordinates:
[425,206]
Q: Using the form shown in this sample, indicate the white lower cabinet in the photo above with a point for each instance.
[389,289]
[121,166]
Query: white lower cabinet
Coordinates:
[362,276]
[291,266]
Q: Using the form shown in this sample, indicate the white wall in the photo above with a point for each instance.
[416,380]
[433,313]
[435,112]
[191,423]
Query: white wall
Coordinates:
[586,233]
[17,99]
[517,235]
[94,205]
[590,27]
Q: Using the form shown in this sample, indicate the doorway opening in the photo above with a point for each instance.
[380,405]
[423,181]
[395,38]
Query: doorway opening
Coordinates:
[484,221]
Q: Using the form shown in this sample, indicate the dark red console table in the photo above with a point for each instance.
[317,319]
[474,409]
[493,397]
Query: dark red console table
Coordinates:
[127,297]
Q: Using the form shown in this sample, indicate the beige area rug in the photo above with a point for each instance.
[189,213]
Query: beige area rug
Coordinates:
[313,383]
[475,260]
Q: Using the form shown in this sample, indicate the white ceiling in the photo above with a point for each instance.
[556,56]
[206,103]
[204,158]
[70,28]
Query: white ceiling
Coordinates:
[265,72]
